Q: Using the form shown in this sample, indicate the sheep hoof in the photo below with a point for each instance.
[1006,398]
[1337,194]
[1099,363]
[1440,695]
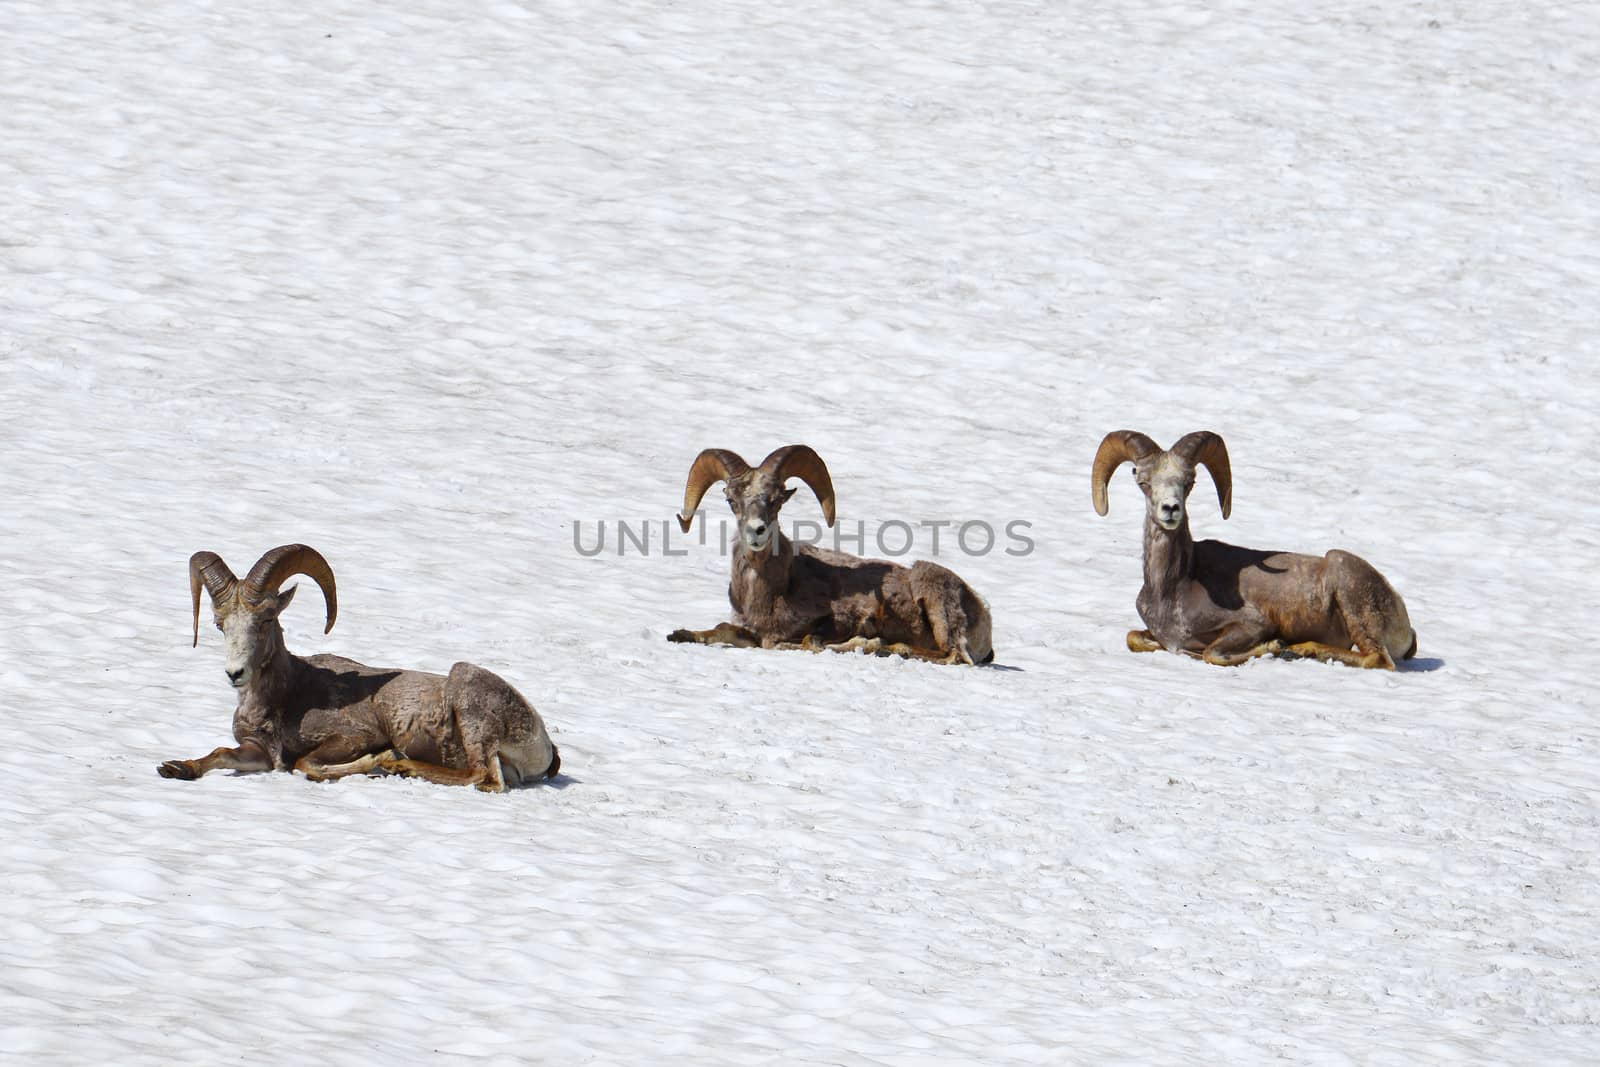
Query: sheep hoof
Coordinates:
[178,768]
[1377,661]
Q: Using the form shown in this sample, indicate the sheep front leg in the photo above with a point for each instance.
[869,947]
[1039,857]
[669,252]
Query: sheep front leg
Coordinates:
[248,757]
[722,634]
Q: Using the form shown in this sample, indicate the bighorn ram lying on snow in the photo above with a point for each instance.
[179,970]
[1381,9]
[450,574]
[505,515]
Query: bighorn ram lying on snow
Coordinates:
[1229,604]
[328,716]
[786,595]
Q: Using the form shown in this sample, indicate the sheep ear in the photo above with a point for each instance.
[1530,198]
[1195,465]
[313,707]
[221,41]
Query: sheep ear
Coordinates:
[787,493]
[286,596]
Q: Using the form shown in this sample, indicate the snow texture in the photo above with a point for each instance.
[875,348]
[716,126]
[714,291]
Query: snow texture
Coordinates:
[426,285]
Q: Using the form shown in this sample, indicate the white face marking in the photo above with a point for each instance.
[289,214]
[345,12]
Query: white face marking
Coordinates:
[1170,481]
[238,646]
[250,638]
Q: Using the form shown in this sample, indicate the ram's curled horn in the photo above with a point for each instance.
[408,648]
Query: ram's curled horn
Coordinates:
[711,466]
[207,569]
[1116,448]
[1207,449]
[274,568]
[799,461]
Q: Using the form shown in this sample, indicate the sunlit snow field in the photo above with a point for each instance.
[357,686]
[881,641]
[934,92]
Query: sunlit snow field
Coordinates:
[428,285]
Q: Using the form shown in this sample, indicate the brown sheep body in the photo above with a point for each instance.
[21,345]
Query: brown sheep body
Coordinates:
[327,716]
[1228,604]
[788,595]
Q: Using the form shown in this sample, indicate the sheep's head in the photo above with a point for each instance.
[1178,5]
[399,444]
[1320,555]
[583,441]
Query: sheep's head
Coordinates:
[247,611]
[1165,477]
[756,494]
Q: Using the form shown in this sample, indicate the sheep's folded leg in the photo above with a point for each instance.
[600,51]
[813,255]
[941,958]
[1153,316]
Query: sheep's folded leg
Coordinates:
[1239,642]
[722,634]
[315,769]
[247,757]
[485,778]
[1375,660]
[1225,659]
[872,646]
[930,655]
[1142,641]
[876,646]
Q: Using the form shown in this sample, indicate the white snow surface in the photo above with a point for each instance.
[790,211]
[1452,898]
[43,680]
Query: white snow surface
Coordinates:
[426,284]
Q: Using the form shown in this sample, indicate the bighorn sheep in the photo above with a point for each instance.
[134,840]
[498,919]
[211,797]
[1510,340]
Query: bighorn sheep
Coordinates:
[787,595]
[1229,604]
[327,716]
